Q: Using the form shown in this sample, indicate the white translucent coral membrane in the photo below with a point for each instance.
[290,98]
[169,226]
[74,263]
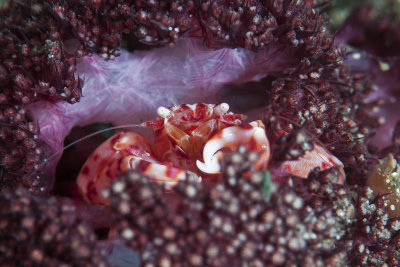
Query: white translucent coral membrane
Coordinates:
[130,88]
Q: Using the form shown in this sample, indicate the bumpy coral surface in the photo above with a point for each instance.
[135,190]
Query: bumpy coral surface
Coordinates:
[38,232]
[238,221]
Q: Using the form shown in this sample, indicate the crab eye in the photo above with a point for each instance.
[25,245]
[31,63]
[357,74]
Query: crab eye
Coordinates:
[163,112]
[221,108]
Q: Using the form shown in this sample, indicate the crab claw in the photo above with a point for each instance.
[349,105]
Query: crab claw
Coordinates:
[102,166]
[120,153]
[251,135]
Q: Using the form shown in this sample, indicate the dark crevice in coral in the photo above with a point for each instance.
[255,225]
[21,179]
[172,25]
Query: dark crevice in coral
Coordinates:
[245,97]
[74,157]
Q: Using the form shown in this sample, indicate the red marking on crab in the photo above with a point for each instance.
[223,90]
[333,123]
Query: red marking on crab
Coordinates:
[107,161]
[187,138]
[91,191]
[85,170]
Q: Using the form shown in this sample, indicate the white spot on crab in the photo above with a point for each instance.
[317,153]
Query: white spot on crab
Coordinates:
[222,108]
[163,112]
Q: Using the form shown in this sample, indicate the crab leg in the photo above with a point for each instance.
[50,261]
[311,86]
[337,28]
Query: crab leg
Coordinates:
[167,175]
[318,157]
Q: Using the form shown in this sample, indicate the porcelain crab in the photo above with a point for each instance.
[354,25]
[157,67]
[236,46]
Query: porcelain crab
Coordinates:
[187,139]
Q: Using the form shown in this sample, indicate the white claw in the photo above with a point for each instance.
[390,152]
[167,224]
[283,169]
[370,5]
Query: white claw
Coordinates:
[230,138]
[212,165]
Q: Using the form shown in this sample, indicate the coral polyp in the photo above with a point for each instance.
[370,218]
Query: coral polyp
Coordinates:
[38,232]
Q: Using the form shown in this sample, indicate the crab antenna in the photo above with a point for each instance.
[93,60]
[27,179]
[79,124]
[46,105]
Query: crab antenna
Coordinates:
[45,161]
[100,132]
